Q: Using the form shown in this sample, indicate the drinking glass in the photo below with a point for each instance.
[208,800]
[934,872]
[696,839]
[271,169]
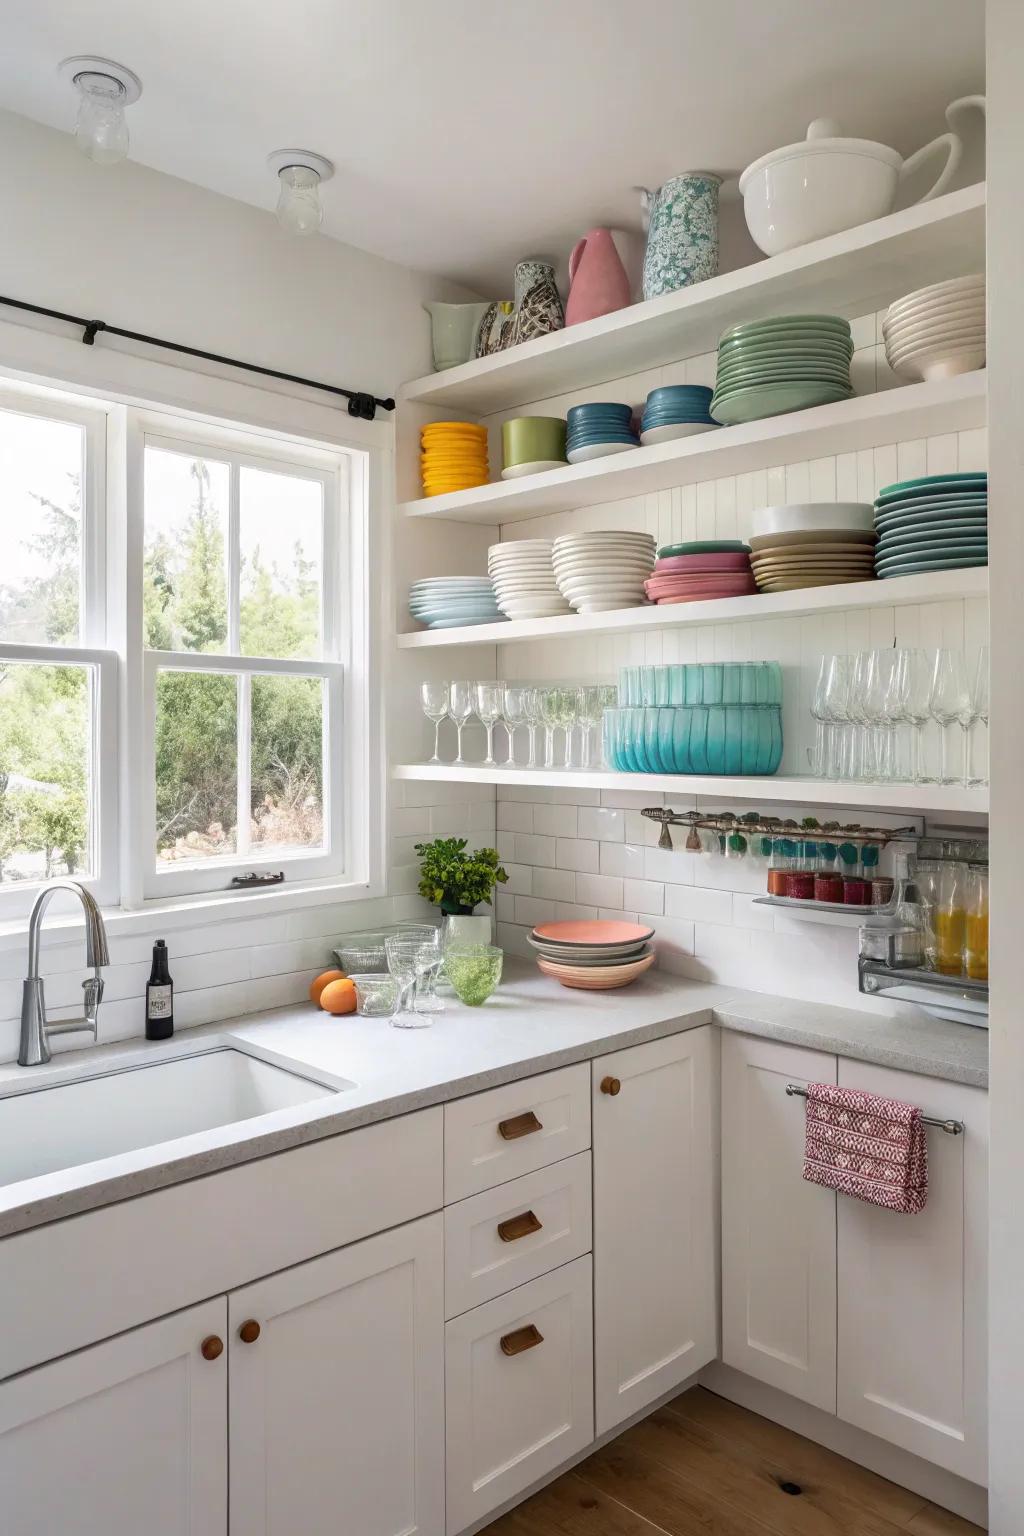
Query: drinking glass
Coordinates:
[978,711]
[516,708]
[976,926]
[860,757]
[487,702]
[837,707]
[550,711]
[410,957]
[950,703]
[434,702]
[568,704]
[591,705]
[881,728]
[913,689]
[460,707]
[820,717]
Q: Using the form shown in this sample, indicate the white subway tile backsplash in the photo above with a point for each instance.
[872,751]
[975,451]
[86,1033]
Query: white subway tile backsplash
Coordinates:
[520,879]
[622,859]
[514,816]
[554,884]
[645,896]
[530,911]
[531,849]
[554,820]
[599,890]
[698,903]
[602,824]
[578,854]
[671,867]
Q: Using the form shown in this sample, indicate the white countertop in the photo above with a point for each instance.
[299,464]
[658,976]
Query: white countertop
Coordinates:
[529,1025]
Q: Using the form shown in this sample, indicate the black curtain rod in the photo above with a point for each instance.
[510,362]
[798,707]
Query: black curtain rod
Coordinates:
[359,404]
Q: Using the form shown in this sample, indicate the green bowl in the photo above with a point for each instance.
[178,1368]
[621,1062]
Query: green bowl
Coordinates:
[532,440]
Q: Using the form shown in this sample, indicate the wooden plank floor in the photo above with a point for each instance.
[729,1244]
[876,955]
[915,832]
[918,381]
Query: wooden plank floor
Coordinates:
[701,1466]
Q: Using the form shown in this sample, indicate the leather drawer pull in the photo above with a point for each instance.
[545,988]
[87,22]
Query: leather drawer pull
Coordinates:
[518,1226]
[523,1338]
[519,1125]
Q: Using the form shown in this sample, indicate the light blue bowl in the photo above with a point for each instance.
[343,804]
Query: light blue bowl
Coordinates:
[734,739]
[693,683]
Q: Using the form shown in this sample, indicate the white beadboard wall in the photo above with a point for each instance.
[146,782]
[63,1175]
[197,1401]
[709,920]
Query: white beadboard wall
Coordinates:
[585,853]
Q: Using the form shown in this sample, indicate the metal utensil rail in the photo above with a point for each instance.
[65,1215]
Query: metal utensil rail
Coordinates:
[951,1127]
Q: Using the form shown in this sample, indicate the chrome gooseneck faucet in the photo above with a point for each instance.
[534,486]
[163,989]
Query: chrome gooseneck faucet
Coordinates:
[35,1028]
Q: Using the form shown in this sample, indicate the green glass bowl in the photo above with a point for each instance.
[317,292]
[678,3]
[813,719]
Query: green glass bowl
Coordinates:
[474,971]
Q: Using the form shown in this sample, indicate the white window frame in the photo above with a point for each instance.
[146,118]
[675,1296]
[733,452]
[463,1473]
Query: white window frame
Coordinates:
[343,858]
[92,651]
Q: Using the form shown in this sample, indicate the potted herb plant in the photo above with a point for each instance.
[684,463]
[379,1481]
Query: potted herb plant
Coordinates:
[457,882]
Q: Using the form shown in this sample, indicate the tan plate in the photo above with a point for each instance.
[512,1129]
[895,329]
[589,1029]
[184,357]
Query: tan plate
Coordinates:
[798,551]
[805,567]
[596,978]
[797,583]
[812,536]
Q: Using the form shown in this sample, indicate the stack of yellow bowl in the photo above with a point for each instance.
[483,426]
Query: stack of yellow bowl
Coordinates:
[454,457]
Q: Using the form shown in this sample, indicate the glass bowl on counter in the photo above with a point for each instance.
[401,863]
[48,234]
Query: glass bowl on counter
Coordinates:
[376,994]
[474,971]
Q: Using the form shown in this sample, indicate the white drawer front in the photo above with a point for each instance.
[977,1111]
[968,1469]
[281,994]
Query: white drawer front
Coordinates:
[492,1137]
[506,1236]
[519,1402]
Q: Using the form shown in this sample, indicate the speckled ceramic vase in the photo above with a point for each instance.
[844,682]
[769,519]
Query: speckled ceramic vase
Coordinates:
[682,238]
[538,307]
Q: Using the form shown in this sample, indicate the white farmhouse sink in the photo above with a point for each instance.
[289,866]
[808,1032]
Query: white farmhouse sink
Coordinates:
[47,1129]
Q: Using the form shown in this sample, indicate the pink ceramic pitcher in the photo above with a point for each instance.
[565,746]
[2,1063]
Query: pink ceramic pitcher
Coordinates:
[597,279]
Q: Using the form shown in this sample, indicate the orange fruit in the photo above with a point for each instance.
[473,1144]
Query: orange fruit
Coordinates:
[339,996]
[324,980]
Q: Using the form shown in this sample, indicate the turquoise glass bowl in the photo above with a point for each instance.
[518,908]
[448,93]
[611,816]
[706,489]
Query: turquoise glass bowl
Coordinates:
[691,683]
[739,739]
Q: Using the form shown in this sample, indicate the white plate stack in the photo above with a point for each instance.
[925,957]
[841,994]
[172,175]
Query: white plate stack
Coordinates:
[939,331]
[600,571]
[524,579]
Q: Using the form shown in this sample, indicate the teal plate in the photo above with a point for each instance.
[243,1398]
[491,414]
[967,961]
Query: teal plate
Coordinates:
[967,506]
[906,564]
[773,400]
[729,378]
[977,498]
[704,547]
[933,541]
[932,551]
[937,525]
[930,484]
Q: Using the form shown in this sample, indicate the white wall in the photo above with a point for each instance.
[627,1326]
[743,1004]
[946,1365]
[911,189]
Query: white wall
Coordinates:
[1005,40]
[153,253]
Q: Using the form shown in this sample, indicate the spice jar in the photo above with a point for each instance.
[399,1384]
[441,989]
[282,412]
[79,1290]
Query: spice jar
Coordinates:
[800,879]
[881,891]
[778,868]
[856,890]
[828,882]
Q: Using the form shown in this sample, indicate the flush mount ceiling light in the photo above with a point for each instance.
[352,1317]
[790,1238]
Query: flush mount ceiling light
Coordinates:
[104,90]
[300,173]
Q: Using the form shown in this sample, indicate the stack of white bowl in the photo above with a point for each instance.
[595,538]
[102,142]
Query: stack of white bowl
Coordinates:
[524,579]
[600,571]
[939,331]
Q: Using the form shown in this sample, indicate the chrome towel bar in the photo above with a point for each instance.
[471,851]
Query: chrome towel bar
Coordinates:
[951,1127]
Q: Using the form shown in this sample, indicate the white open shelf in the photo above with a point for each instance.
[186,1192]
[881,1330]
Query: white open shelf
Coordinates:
[849,274]
[866,421]
[915,799]
[899,591]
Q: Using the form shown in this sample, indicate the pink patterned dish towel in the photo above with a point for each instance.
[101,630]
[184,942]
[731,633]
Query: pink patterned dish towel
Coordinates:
[865,1146]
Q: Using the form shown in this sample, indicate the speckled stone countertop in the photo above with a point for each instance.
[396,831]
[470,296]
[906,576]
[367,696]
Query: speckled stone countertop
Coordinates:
[530,1025]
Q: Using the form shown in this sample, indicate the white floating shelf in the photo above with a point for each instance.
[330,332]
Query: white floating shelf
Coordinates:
[849,274]
[899,591]
[866,421]
[920,799]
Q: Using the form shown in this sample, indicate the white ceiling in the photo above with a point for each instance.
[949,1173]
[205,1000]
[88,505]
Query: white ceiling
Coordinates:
[467,134]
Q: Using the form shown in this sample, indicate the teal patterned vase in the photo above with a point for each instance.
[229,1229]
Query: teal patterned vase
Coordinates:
[682,238]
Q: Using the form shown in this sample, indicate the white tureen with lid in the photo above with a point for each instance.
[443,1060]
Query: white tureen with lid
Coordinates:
[828,183]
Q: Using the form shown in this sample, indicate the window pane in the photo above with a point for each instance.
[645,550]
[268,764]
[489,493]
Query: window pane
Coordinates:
[41,468]
[45,736]
[196,766]
[185,600]
[287,765]
[281,540]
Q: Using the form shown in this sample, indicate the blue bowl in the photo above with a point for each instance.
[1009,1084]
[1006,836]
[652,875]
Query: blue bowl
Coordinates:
[583,439]
[702,682]
[669,394]
[598,408]
[739,739]
[671,419]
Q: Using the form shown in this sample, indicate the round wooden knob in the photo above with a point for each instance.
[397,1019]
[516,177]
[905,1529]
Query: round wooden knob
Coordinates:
[211,1347]
[249,1331]
[610,1085]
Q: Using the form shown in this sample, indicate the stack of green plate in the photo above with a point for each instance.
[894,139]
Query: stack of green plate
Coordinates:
[934,523]
[768,367]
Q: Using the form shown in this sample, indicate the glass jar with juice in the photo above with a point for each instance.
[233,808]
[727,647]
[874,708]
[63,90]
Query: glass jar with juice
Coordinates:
[976,926]
[948,920]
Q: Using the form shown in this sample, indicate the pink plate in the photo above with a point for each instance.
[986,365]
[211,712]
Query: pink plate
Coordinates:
[707,588]
[696,597]
[599,978]
[700,578]
[594,931]
[728,560]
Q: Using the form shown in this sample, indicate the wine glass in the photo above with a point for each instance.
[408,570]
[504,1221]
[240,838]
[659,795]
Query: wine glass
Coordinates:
[881,728]
[550,711]
[568,718]
[950,702]
[913,689]
[837,707]
[411,956]
[516,707]
[979,711]
[591,705]
[460,707]
[860,762]
[819,714]
[487,702]
[434,702]
[534,718]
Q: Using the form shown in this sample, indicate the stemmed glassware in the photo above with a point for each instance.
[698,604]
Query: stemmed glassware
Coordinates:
[550,711]
[837,713]
[487,703]
[517,707]
[819,713]
[434,701]
[460,707]
[978,711]
[592,701]
[913,688]
[950,704]
[412,955]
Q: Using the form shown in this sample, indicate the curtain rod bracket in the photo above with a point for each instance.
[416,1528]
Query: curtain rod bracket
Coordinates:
[90,332]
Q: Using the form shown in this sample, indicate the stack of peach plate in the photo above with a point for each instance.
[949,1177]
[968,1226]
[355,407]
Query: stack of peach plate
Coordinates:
[594,956]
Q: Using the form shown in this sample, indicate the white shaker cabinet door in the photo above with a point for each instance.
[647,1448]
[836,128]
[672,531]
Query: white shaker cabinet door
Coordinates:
[655,1233]
[126,1437]
[778,1232]
[912,1289]
[337,1392]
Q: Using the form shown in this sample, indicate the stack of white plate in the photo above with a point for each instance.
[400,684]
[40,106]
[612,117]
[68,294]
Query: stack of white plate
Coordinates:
[939,331]
[524,579]
[595,956]
[600,571]
[812,544]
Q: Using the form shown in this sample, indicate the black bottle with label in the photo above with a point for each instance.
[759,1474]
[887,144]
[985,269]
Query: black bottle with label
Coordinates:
[159,996]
